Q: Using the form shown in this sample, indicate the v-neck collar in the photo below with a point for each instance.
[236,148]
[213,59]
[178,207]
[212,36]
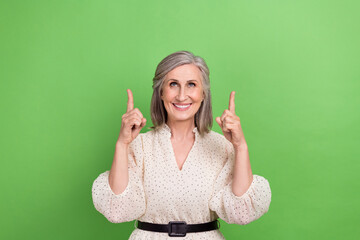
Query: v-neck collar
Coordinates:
[166,131]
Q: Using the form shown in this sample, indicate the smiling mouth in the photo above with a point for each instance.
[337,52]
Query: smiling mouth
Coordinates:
[182,106]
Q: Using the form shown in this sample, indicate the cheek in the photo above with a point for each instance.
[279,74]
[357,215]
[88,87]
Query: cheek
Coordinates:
[164,93]
[199,95]
[167,95]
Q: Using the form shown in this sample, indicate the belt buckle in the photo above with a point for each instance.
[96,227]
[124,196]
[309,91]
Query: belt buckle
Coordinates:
[181,233]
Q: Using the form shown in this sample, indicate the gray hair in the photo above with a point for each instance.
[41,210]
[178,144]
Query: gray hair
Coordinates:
[203,118]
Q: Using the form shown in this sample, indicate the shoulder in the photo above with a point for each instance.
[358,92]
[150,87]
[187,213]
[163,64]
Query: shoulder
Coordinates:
[215,137]
[137,146]
[147,138]
[149,135]
[216,141]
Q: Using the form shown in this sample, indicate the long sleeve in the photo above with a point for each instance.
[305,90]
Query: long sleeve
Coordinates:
[131,203]
[242,209]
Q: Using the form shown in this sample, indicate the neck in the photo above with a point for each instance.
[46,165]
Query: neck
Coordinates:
[181,129]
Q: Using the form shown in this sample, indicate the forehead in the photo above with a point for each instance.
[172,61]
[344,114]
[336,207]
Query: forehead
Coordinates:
[185,72]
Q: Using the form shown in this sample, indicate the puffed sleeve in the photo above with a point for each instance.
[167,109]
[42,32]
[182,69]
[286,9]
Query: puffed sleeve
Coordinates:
[242,209]
[130,204]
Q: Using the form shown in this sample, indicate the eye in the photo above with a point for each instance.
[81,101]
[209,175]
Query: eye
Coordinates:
[172,84]
[192,84]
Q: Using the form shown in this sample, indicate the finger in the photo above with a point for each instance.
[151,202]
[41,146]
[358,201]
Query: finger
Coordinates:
[143,122]
[225,114]
[138,112]
[226,126]
[232,102]
[124,116]
[133,122]
[218,120]
[136,131]
[229,126]
[129,115]
[229,119]
[135,113]
[130,104]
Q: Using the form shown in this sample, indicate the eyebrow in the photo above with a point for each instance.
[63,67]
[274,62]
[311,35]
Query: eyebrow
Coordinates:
[178,80]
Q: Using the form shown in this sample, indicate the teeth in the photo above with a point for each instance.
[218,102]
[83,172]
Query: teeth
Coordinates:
[182,106]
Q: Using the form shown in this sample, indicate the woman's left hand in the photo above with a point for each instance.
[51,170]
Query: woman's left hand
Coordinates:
[230,124]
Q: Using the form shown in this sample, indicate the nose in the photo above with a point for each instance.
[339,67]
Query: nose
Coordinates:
[182,95]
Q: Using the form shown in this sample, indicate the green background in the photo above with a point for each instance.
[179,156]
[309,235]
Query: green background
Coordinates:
[65,67]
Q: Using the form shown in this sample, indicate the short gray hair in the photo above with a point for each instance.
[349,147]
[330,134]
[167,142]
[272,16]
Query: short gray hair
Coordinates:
[203,118]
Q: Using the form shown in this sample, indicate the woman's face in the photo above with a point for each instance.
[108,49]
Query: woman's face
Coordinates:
[182,92]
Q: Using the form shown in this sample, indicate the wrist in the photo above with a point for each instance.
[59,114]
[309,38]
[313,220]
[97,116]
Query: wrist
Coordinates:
[120,144]
[241,147]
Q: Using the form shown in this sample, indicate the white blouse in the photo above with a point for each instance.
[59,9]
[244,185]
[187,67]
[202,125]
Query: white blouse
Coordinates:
[159,192]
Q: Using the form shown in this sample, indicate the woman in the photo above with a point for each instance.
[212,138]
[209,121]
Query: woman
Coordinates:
[180,177]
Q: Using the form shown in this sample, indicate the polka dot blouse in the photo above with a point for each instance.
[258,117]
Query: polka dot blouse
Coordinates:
[159,192]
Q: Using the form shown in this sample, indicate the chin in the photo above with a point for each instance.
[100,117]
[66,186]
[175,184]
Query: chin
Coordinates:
[181,118]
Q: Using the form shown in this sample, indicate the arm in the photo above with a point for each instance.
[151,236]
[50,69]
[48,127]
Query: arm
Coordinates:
[242,171]
[118,194]
[231,128]
[119,175]
[253,200]
[130,204]
[131,124]
[240,197]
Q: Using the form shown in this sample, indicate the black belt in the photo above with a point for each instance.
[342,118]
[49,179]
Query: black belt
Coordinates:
[178,228]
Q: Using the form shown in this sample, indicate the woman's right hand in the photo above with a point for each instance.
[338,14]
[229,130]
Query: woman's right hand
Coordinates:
[132,122]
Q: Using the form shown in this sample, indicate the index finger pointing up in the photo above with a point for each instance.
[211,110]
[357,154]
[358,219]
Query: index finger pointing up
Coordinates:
[130,104]
[232,102]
